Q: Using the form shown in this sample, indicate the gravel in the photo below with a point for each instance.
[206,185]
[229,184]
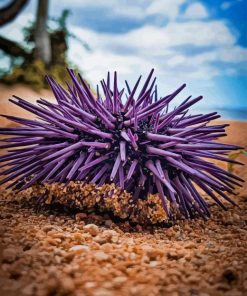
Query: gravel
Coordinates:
[56,253]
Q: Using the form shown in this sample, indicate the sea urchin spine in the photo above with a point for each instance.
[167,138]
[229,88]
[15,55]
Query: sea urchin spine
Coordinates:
[136,142]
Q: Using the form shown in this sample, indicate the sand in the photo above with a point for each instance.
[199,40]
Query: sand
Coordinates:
[55,252]
[24,92]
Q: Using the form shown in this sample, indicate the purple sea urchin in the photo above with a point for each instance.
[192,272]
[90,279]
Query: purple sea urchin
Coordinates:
[137,143]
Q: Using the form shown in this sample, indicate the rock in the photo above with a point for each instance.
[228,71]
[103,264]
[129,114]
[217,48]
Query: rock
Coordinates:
[2,230]
[108,236]
[29,290]
[154,263]
[90,285]
[67,285]
[175,255]
[109,223]
[9,255]
[119,280]
[193,279]
[190,245]
[92,229]
[103,292]
[79,249]
[236,218]
[111,234]
[80,216]
[151,252]
[101,256]
[47,228]
[107,247]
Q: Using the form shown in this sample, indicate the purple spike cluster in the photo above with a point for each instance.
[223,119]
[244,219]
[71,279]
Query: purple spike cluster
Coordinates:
[135,142]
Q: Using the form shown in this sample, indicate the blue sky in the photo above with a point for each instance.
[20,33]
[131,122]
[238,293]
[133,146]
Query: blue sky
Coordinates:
[202,43]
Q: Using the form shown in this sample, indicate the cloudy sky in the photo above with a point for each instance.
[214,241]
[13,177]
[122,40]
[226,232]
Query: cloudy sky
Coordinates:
[202,43]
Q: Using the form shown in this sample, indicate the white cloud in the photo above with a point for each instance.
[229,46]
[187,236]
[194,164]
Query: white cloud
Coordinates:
[138,9]
[156,41]
[141,49]
[169,8]
[196,11]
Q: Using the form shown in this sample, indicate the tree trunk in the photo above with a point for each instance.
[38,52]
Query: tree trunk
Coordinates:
[41,36]
[10,11]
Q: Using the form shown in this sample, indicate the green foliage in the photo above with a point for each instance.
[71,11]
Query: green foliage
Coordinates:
[33,74]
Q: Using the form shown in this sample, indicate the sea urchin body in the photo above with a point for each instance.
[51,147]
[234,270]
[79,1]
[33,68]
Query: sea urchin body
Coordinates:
[135,142]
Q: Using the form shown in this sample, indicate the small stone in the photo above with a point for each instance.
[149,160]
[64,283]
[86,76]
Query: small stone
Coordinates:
[190,245]
[47,228]
[101,256]
[90,285]
[92,229]
[119,280]
[103,292]
[67,285]
[111,234]
[28,290]
[2,230]
[175,255]
[80,216]
[236,218]
[193,279]
[109,223]
[9,255]
[108,236]
[151,252]
[79,249]
[154,263]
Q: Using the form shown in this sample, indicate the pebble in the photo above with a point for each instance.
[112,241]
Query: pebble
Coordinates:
[80,216]
[90,285]
[151,252]
[79,249]
[119,281]
[101,256]
[190,245]
[67,285]
[108,236]
[92,229]
[154,263]
[9,255]
[103,292]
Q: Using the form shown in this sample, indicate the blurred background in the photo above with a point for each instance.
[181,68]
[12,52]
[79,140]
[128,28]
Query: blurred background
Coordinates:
[202,43]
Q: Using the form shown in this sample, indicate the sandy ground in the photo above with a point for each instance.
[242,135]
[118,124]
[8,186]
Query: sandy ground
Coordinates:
[24,92]
[45,253]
